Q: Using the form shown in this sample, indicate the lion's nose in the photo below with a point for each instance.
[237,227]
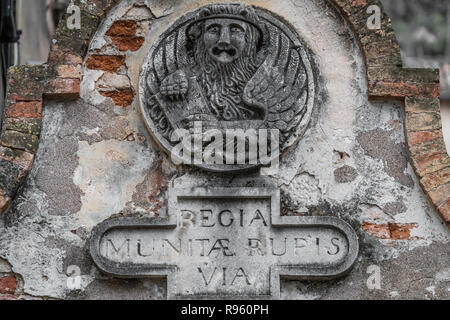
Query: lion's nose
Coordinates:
[224,38]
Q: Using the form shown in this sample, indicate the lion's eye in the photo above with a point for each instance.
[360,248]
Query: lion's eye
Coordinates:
[214,29]
[236,29]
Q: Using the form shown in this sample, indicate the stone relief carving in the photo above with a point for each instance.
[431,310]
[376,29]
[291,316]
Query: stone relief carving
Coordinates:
[230,66]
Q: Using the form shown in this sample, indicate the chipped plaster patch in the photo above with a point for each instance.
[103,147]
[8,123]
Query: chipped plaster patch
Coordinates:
[108,173]
[304,192]
[88,87]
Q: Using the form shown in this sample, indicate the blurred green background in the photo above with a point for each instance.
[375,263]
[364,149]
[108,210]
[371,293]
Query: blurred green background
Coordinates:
[422,26]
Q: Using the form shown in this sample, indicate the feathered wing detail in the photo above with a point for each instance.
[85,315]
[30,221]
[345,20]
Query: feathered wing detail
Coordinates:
[166,61]
[278,87]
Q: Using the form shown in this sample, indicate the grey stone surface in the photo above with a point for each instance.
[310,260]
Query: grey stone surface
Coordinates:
[421,273]
[108,166]
[226,242]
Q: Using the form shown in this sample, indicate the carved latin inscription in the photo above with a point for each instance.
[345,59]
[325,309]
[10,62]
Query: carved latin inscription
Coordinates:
[227,242]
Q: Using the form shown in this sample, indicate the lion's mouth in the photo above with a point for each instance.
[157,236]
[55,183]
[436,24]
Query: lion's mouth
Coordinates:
[229,51]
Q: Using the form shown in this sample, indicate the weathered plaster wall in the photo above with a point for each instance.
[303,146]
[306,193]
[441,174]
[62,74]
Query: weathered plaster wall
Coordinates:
[96,160]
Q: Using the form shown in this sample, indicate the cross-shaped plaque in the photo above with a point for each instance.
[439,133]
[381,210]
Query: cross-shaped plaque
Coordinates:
[223,243]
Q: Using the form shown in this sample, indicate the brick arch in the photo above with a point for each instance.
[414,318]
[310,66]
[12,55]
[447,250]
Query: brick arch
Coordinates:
[60,78]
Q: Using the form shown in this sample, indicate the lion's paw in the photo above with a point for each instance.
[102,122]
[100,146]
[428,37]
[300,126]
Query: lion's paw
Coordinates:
[175,86]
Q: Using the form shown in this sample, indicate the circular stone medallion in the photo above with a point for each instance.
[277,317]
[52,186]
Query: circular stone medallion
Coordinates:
[227,69]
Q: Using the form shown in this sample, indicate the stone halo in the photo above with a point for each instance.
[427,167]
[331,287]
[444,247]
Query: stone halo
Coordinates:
[290,113]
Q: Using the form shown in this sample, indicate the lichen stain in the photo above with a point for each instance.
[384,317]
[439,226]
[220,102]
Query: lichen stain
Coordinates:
[378,144]
[108,173]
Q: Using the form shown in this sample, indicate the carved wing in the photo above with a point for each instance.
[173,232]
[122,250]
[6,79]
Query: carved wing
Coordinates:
[169,57]
[279,85]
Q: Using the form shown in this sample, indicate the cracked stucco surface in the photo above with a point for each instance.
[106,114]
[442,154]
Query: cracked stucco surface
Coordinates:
[97,160]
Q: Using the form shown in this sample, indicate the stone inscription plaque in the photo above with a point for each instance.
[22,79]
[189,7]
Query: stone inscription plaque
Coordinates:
[225,242]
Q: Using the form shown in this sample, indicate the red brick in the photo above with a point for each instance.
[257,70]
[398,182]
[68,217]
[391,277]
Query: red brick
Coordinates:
[444,210]
[432,163]
[8,285]
[423,136]
[436,179]
[361,3]
[25,109]
[422,105]
[440,195]
[380,50]
[400,90]
[404,75]
[394,231]
[69,71]
[128,43]
[58,56]
[108,63]
[401,231]
[427,149]
[61,88]
[379,231]
[122,28]
[121,98]
[423,122]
